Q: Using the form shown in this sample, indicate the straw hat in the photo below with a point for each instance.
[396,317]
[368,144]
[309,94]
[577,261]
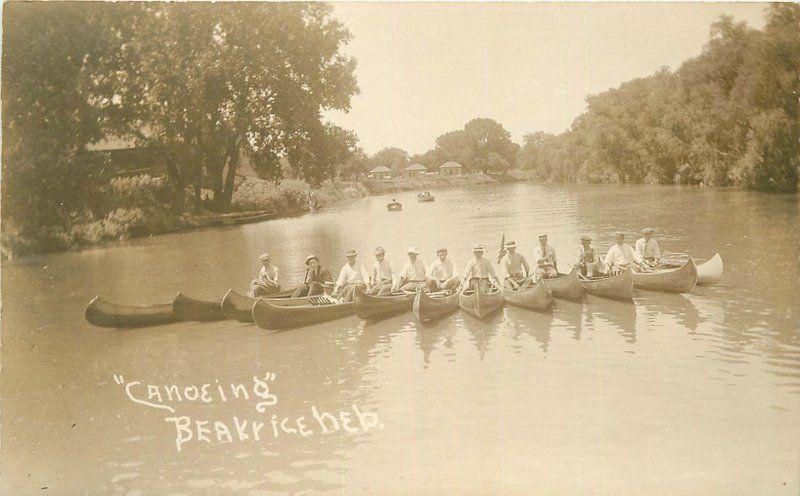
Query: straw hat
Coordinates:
[263,257]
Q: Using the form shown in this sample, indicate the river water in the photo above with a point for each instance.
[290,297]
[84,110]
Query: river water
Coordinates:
[678,394]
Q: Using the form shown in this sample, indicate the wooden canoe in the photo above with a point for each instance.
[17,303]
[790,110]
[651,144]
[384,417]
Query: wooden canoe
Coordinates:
[710,271]
[392,207]
[239,307]
[102,313]
[618,287]
[429,307]
[369,307]
[185,308]
[319,309]
[531,297]
[566,286]
[479,304]
[680,280]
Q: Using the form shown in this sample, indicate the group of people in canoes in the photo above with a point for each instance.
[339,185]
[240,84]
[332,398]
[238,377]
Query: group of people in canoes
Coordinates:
[442,275]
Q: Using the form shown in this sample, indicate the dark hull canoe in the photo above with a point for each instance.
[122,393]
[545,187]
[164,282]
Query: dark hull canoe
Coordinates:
[536,297]
[368,307]
[185,308]
[618,287]
[680,280]
[102,313]
[239,307]
[479,304]
[393,207]
[428,308]
[566,286]
[710,271]
[270,316]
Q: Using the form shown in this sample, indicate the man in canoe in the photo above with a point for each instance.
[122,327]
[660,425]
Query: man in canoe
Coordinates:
[267,282]
[545,257]
[517,268]
[351,277]
[443,275]
[315,280]
[479,271]
[647,247]
[382,276]
[414,275]
[621,256]
[589,264]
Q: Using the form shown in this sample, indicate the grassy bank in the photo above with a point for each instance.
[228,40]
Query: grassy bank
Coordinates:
[140,206]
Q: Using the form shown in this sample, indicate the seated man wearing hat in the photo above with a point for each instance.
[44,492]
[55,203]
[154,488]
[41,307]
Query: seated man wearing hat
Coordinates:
[414,275]
[621,256]
[443,275]
[382,277]
[589,264]
[315,280]
[479,271]
[515,265]
[351,277]
[545,257]
[267,282]
[647,247]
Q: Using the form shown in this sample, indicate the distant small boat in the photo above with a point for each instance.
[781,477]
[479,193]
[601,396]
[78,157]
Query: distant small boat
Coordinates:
[710,271]
[394,206]
[425,197]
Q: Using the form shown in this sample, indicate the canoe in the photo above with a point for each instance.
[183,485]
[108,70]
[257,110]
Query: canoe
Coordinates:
[531,297]
[185,308]
[102,313]
[428,307]
[237,306]
[369,307]
[617,287]
[480,304]
[680,280]
[710,271]
[319,309]
[566,286]
[394,206]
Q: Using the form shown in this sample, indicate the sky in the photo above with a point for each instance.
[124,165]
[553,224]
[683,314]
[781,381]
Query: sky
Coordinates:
[428,68]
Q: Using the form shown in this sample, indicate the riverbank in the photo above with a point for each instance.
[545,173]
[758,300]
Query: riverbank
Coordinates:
[141,209]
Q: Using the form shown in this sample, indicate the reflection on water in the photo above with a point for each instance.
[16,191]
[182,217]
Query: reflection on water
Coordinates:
[585,398]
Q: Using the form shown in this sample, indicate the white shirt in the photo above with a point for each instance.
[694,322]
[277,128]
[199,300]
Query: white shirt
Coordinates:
[414,271]
[442,271]
[481,268]
[539,254]
[352,275]
[648,249]
[268,275]
[382,271]
[621,255]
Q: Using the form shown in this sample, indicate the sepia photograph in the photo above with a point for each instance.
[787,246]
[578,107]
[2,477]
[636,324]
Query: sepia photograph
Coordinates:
[399,248]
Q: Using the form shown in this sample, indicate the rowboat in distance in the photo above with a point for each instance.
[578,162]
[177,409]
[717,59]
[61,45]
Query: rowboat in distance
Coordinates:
[532,297]
[566,286]
[680,280]
[617,287]
[318,309]
[102,313]
[710,271]
[425,197]
[370,307]
[428,307]
[185,308]
[394,206]
[480,304]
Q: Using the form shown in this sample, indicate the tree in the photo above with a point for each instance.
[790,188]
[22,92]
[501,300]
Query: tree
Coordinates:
[490,137]
[393,158]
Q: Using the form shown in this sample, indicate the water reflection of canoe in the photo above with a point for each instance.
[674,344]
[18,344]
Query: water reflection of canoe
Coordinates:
[710,271]
[617,287]
[103,313]
[394,206]
[536,297]
[680,280]
[480,304]
[369,307]
[429,307]
[566,286]
[318,309]
[185,308]
[239,307]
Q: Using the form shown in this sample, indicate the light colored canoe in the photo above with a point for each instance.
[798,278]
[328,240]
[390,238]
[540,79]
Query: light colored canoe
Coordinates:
[239,307]
[617,287]
[680,280]
[710,271]
[481,304]
[103,313]
[532,297]
[429,307]
[185,308]
[319,309]
[566,286]
[369,307]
